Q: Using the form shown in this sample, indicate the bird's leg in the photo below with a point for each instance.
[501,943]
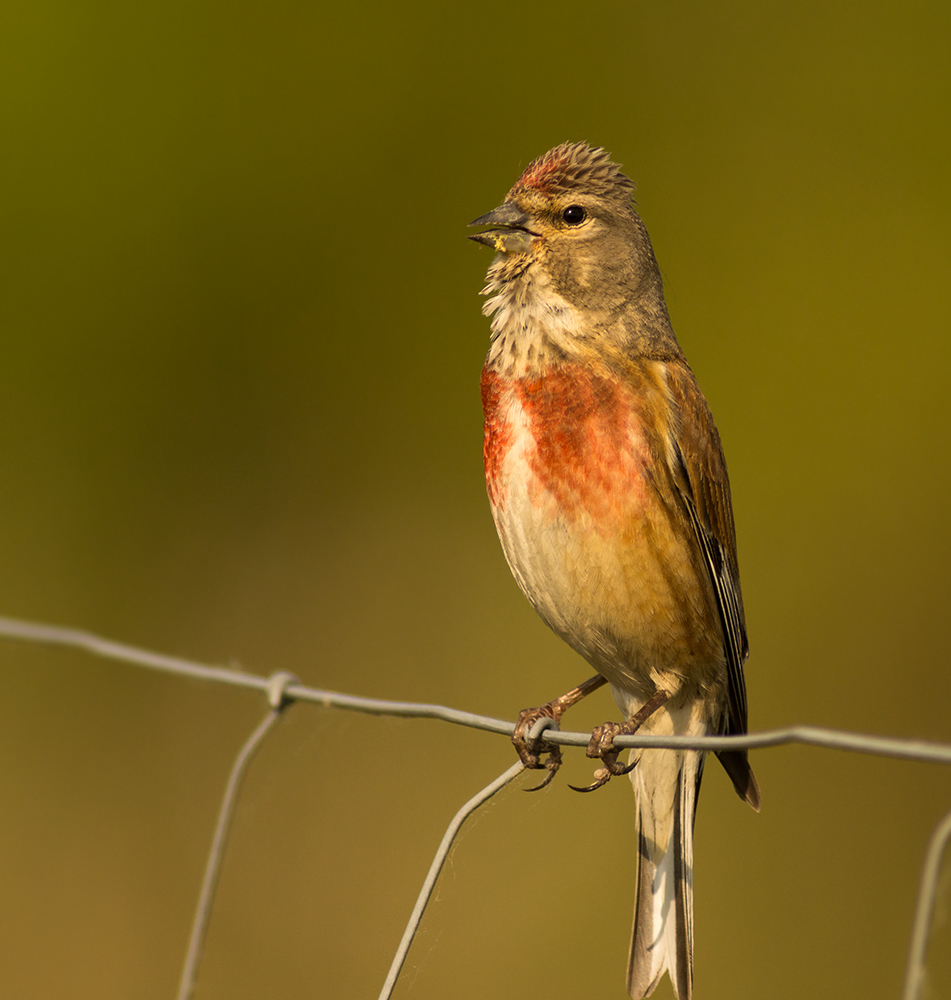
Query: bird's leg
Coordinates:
[602,742]
[530,751]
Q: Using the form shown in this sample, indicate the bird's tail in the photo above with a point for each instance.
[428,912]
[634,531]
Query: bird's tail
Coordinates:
[666,783]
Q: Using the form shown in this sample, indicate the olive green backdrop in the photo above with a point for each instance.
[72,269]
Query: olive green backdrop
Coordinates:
[239,422]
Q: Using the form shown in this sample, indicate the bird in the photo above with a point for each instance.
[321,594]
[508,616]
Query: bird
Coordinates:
[609,490]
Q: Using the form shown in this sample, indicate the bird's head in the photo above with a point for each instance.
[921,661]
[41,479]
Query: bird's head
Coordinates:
[571,213]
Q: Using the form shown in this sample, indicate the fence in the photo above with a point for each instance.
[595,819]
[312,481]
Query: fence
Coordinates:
[283,688]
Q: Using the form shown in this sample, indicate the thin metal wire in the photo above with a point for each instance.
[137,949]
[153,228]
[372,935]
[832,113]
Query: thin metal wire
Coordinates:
[833,739]
[435,868]
[56,635]
[918,952]
[283,688]
[277,685]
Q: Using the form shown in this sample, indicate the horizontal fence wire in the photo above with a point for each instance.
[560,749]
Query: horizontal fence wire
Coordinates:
[282,689]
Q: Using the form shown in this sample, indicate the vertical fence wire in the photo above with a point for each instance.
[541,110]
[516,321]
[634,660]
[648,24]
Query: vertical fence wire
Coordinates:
[435,868]
[924,912]
[277,700]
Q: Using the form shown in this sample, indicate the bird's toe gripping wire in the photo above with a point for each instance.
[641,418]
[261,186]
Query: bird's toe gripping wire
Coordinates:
[532,746]
[602,746]
[532,722]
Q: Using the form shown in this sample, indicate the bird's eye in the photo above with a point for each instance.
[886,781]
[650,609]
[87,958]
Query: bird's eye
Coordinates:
[574,215]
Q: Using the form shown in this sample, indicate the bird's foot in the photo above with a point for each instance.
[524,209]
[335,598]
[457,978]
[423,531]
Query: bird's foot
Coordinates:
[602,740]
[602,747]
[531,747]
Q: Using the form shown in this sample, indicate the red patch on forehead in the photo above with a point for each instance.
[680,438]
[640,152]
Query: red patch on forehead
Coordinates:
[541,173]
[575,166]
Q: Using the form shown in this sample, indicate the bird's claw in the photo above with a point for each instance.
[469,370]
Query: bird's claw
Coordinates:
[551,766]
[601,746]
[601,777]
[532,722]
[531,748]
[602,739]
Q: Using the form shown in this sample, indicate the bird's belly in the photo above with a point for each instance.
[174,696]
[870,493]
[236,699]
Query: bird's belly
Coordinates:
[598,548]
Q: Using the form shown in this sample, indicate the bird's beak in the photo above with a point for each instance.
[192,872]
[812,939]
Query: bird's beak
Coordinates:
[510,233]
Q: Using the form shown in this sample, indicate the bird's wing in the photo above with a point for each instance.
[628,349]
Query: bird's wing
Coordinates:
[699,471]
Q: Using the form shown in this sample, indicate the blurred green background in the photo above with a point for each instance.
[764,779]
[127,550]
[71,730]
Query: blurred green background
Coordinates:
[239,422]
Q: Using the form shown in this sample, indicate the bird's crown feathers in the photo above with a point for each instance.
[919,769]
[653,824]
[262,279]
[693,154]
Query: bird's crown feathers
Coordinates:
[576,166]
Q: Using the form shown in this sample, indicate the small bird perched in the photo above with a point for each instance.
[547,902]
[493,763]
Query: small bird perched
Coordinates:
[609,491]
